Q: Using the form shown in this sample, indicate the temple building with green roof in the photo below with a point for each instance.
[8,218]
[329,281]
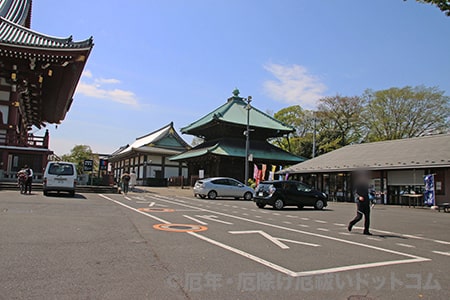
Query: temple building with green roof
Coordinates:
[223,151]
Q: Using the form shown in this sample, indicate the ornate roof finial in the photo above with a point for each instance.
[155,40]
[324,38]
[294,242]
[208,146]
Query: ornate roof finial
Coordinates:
[236,92]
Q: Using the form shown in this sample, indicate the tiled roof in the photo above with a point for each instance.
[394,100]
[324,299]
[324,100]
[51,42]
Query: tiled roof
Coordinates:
[260,150]
[414,153]
[234,111]
[13,29]
[17,35]
[156,141]
[15,11]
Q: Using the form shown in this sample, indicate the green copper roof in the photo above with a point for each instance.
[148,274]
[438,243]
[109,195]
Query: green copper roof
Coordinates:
[234,112]
[261,151]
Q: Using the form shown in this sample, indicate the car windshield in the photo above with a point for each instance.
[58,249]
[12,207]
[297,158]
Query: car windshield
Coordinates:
[61,169]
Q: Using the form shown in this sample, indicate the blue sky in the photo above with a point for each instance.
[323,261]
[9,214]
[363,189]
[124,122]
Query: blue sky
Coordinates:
[160,61]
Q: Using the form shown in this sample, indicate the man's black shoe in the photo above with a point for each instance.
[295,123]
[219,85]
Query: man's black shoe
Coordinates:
[349,227]
[367,233]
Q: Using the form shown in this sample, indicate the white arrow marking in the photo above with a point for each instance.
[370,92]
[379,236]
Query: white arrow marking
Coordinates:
[298,242]
[214,218]
[195,220]
[276,241]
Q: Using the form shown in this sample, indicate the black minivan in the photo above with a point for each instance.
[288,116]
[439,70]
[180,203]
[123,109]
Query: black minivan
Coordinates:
[288,193]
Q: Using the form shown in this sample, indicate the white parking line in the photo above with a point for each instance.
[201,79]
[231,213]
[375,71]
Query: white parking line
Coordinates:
[289,216]
[345,233]
[443,253]
[195,220]
[338,224]
[320,221]
[373,239]
[410,258]
[323,229]
[245,214]
[276,214]
[128,198]
[258,217]
[287,222]
[405,245]
[305,219]
[303,225]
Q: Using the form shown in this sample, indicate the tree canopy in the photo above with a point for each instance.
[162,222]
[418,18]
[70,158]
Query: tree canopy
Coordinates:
[393,113]
[78,155]
[443,5]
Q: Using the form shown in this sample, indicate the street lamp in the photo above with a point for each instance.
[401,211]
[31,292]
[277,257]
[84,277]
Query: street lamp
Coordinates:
[248,107]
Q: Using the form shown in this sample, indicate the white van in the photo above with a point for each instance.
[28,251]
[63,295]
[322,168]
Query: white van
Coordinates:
[60,176]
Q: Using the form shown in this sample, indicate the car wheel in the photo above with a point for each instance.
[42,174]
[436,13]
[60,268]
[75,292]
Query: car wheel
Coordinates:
[212,195]
[45,193]
[300,206]
[279,204]
[319,204]
[260,205]
[72,194]
[202,196]
[248,196]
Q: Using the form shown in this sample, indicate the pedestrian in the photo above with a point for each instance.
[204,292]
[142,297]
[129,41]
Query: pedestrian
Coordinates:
[125,179]
[133,178]
[362,200]
[29,181]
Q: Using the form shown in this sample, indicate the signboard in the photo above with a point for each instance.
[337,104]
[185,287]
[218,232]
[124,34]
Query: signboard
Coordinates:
[201,174]
[103,164]
[88,165]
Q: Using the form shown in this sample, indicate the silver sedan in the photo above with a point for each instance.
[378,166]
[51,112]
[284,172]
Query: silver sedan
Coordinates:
[222,187]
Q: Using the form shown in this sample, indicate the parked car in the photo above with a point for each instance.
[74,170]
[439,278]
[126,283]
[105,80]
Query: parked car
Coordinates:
[222,187]
[60,177]
[288,193]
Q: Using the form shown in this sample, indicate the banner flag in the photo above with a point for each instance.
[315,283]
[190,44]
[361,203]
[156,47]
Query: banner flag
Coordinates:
[263,172]
[255,172]
[428,195]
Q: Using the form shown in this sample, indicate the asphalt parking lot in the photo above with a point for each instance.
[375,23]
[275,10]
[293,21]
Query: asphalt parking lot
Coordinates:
[166,244]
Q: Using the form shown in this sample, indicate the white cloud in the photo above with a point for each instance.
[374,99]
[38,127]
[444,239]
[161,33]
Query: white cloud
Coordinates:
[93,87]
[294,85]
[87,74]
[107,81]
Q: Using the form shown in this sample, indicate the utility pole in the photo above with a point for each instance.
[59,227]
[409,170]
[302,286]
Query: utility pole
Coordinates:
[247,137]
[314,136]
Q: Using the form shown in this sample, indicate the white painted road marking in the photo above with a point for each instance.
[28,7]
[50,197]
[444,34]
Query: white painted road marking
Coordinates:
[410,257]
[305,219]
[405,245]
[128,198]
[151,204]
[195,220]
[273,239]
[213,218]
[323,229]
[338,224]
[320,221]
[441,252]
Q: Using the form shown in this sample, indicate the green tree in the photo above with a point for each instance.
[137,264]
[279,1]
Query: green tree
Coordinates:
[300,141]
[406,112]
[78,155]
[443,5]
[340,121]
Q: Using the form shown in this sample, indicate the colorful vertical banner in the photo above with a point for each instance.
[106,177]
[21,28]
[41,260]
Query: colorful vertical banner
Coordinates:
[428,195]
[263,172]
[255,171]
[272,172]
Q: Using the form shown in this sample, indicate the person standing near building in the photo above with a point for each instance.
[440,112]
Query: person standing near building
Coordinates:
[133,178]
[29,181]
[362,201]
[125,179]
